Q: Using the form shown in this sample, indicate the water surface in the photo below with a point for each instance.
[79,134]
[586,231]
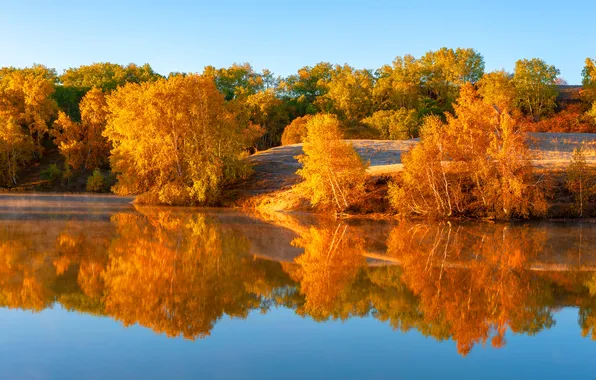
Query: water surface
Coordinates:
[94,287]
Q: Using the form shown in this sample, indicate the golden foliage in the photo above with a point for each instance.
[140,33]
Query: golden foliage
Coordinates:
[174,141]
[26,107]
[497,88]
[82,144]
[333,172]
[476,164]
[295,132]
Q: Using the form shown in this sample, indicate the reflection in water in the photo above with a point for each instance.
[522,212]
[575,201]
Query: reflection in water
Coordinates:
[179,271]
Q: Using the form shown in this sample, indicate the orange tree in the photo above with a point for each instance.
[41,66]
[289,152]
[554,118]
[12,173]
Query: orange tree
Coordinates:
[175,141]
[333,172]
[476,164]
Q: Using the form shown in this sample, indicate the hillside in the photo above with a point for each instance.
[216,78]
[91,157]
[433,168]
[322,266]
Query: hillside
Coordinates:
[275,169]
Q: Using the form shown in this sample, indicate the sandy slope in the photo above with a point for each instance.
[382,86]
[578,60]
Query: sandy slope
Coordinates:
[276,167]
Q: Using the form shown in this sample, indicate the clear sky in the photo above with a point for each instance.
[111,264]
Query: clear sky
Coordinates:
[283,36]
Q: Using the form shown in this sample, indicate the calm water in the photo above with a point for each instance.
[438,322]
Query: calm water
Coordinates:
[96,288]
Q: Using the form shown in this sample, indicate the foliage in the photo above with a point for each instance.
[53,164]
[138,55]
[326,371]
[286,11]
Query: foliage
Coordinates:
[535,86]
[581,179]
[445,70]
[349,94]
[175,141]
[400,85]
[82,144]
[589,81]
[238,80]
[497,88]
[308,85]
[26,107]
[476,164]
[571,119]
[52,173]
[295,132]
[332,171]
[395,125]
[96,182]
[106,76]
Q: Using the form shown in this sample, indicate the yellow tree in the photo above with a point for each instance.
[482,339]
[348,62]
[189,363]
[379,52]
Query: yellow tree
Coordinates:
[295,132]
[497,88]
[475,164]
[399,85]
[82,144]
[333,172]
[580,181]
[26,107]
[349,94]
[175,141]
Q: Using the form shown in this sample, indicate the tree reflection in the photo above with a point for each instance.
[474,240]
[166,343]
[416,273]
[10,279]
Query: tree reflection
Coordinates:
[328,270]
[179,272]
[474,282]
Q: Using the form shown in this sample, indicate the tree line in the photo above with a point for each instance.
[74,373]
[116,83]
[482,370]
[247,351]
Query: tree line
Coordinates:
[178,138]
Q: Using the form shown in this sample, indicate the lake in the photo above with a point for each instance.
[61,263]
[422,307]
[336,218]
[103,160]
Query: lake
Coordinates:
[94,287]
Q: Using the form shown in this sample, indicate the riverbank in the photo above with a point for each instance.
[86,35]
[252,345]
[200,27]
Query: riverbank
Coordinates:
[271,187]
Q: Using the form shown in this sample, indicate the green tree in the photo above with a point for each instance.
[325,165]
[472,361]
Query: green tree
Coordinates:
[535,86]
[349,94]
[395,125]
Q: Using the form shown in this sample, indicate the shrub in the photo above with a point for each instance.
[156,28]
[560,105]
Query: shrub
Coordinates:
[95,182]
[52,173]
[295,132]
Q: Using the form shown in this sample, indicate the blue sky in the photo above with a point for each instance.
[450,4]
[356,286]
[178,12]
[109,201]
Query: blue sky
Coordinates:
[286,35]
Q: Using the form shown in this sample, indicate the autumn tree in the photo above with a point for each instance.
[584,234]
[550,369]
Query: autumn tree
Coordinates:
[589,81]
[26,108]
[236,81]
[306,86]
[445,70]
[267,111]
[75,82]
[399,85]
[82,144]
[295,132]
[175,141]
[475,164]
[349,94]
[395,125]
[497,88]
[333,172]
[535,86]
[581,179]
